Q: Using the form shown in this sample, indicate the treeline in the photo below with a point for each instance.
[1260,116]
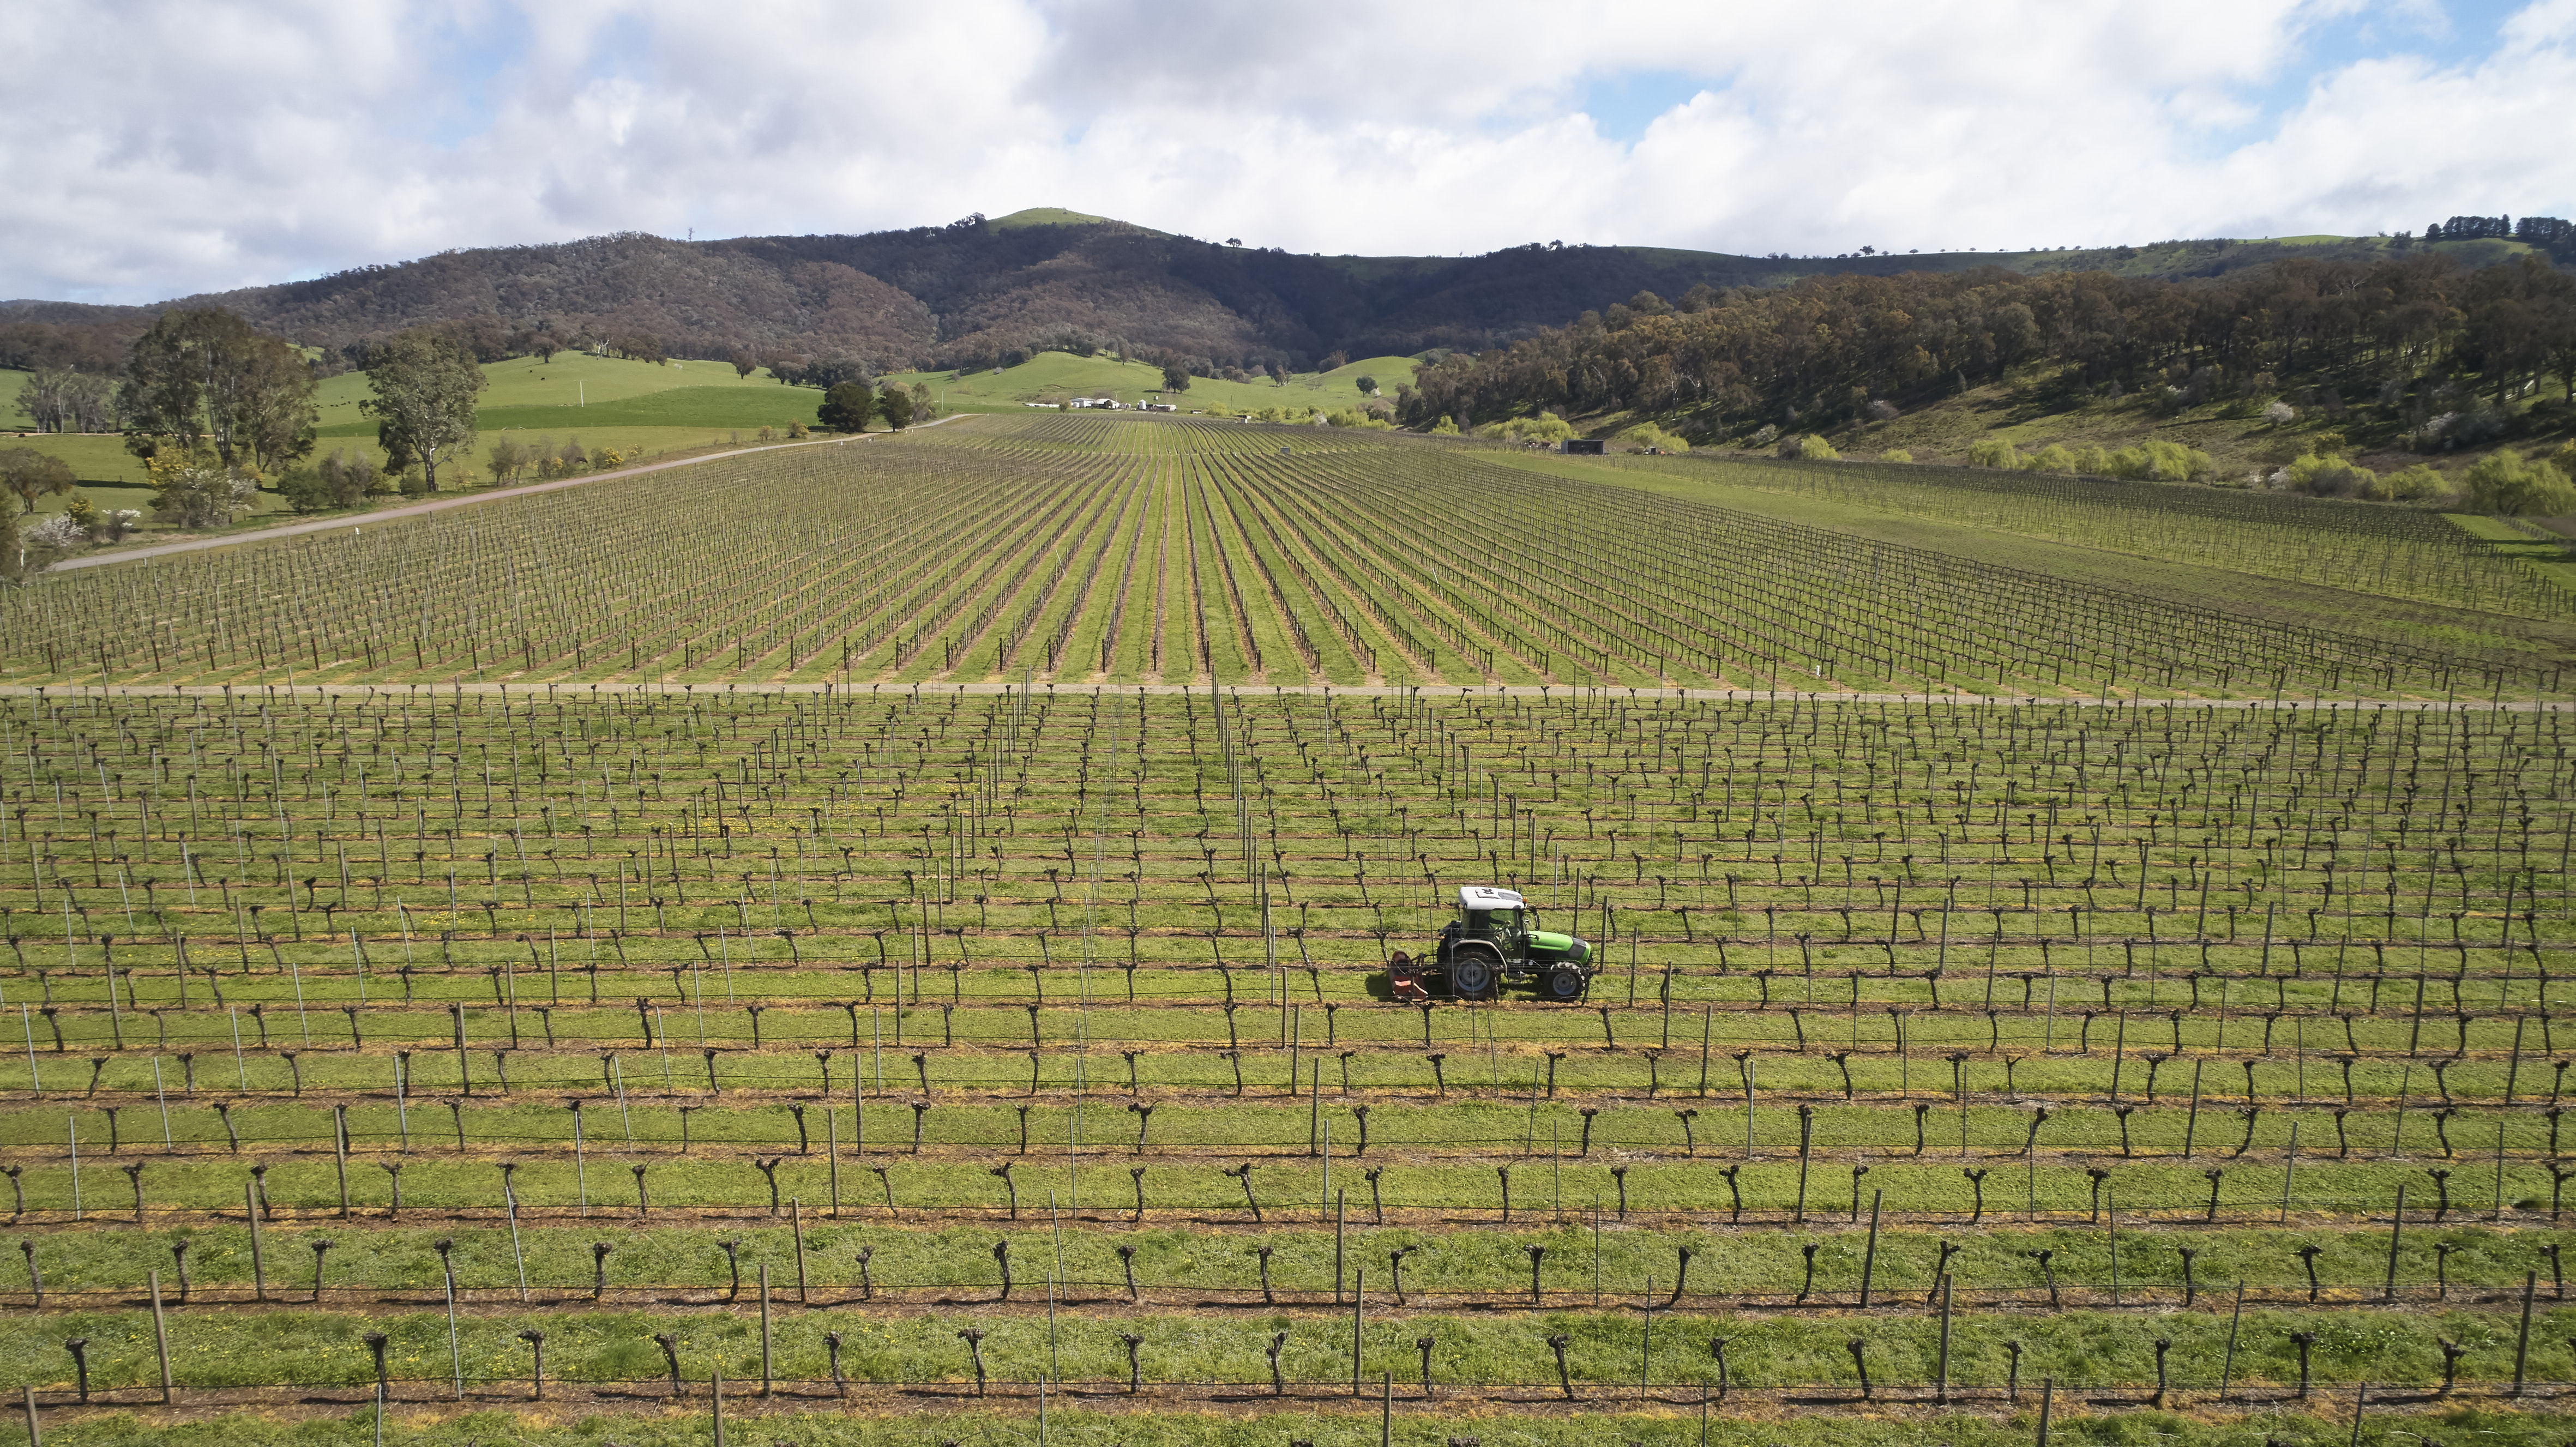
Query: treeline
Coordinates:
[95,348]
[2549,233]
[1833,348]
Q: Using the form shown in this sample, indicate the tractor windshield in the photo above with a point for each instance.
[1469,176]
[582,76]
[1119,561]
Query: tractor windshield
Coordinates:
[1493,924]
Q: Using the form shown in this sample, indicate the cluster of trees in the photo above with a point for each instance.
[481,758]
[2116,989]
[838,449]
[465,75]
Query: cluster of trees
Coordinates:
[800,371]
[207,395]
[2549,233]
[342,480]
[1827,349]
[204,379]
[59,399]
[848,406]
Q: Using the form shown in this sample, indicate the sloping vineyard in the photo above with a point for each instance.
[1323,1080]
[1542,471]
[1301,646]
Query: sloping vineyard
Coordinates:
[1019,547]
[2391,551]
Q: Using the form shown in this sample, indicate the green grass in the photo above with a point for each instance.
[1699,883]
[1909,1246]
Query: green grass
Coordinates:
[1047,216]
[1053,376]
[569,380]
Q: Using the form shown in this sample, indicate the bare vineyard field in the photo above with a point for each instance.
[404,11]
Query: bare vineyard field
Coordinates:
[1083,550]
[1030,1044]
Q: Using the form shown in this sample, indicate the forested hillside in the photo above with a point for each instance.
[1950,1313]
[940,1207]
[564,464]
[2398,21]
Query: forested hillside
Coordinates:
[1829,349]
[980,293]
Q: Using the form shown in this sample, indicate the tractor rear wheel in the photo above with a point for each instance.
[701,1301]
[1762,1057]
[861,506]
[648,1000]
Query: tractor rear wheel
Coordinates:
[1564,983]
[1473,972]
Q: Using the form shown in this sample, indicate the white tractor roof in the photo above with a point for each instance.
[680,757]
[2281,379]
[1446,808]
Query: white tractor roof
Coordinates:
[1485,896]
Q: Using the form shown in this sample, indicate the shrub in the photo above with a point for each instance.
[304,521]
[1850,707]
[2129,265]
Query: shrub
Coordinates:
[1545,427]
[1896,454]
[507,459]
[1817,449]
[198,491]
[2162,461]
[2503,482]
[1880,411]
[2280,414]
[1647,434]
[1447,426]
[59,532]
[2410,484]
[2325,477]
[2459,429]
[1993,452]
[2055,457]
[1766,436]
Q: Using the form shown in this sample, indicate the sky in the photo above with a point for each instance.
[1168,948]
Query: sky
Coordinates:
[157,149]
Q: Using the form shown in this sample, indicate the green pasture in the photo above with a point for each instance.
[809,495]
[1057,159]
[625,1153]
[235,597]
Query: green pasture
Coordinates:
[1053,376]
[569,381]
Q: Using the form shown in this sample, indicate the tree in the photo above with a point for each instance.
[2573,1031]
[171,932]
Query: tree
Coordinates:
[90,404]
[1368,386]
[45,398]
[509,457]
[1176,378]
[846,407]
[424,385]
[2503,482]
[205,377]
[924,406]
[895,405]
[1333,362]
[744,364]
[32,474]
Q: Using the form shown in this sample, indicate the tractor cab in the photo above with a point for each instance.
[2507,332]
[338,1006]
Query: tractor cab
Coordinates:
[1495,940]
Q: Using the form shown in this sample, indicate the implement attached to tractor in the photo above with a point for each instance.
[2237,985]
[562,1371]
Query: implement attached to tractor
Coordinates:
[1494,941]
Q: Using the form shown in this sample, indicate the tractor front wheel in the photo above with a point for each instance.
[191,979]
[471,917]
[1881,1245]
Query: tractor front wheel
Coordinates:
[1563,983]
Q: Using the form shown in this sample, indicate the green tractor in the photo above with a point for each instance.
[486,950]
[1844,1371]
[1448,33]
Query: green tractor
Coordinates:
[1494,941]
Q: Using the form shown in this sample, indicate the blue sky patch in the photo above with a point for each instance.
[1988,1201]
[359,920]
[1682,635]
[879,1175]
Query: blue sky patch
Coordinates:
[1622,106]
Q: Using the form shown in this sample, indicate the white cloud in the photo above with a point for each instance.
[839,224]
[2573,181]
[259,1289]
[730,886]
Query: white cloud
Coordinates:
[158,148]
